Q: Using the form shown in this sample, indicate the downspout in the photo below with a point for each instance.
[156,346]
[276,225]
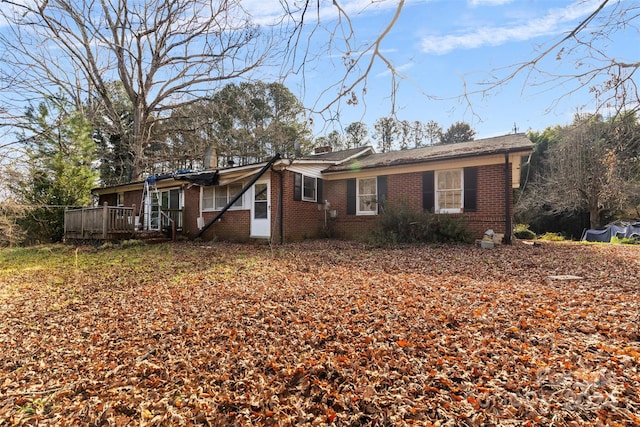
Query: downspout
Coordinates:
[280,207]
[507,200]
[235,198]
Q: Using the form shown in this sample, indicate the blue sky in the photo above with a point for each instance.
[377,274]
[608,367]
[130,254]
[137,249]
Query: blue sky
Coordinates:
[441,47]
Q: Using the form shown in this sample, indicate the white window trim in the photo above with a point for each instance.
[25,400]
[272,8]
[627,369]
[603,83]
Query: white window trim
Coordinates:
[435,184]
[315,189]
[213,199]
[214,190]
[358,211]
[168,190]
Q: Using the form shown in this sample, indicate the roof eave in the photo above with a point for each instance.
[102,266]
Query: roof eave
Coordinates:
[513,150]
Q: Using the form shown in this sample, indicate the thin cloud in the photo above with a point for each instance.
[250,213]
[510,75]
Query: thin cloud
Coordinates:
[272,12]
[550,24]
[476,3]
[397,70]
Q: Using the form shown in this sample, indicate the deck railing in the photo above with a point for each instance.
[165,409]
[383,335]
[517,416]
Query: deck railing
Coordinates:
[103,222]
[171,218]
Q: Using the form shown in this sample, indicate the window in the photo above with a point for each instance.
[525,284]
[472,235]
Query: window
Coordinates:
[366,197]
[449,191]
[216,198]
[207,198]
[309,188]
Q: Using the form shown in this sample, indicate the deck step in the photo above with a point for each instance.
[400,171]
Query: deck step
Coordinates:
[152,236]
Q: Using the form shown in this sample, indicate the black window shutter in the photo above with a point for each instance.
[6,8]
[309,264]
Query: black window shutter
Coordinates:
[319,197]
[297,186]
[470,189]
[428,191]
[382,192]
[351,196]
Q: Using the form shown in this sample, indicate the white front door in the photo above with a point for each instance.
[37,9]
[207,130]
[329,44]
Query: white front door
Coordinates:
[260,210]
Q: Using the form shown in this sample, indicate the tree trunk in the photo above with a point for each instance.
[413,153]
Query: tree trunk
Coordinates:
[594,216]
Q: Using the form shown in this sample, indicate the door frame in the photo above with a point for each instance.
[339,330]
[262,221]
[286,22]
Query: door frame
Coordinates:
[260,228]
[153,205]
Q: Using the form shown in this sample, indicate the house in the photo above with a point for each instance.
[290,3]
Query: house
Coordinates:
[289,199]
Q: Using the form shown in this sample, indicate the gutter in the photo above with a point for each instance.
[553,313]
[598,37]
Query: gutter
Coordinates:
[507,200]
[406,162]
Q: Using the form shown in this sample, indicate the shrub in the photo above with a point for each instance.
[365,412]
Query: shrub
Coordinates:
[401,224]
[626,240]
[552,237]
[522,231]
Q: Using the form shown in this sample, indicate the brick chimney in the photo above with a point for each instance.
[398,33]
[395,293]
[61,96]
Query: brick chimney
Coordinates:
[322,150]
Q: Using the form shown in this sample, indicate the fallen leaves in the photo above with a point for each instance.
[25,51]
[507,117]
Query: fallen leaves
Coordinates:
[321,333]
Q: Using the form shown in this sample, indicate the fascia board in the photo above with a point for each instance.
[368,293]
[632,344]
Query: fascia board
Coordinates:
[427,165]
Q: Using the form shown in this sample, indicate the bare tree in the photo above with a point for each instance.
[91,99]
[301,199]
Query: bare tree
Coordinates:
[585,170]
[164,52]
[610,78]
[358,57]
[11,212]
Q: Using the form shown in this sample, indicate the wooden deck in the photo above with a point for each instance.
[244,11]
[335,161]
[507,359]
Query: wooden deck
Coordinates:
[118,223]
[105,223]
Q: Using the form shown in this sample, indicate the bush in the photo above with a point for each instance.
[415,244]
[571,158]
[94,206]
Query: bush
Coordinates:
[625,240]
[522,231]
[401,224]
[552,237]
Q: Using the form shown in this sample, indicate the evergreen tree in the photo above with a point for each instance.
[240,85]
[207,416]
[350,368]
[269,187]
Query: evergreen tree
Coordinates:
[458,132]
[387,130]
[433,132]
[356,134]
[58,172]
[405,130]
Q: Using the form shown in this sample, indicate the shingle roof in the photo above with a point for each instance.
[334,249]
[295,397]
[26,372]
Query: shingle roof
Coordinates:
[481,147]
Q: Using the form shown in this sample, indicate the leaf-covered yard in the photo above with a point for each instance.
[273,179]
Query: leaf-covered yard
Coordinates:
[320,333]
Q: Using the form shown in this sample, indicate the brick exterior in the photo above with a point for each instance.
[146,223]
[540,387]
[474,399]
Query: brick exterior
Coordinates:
[407,189]
[303,220]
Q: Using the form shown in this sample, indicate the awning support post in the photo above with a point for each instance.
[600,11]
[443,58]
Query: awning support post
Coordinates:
[235,198]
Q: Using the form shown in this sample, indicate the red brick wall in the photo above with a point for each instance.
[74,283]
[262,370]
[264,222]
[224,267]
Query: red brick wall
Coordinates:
[234,226]
[345,226]
[491,200]
[301,219]
[407,189]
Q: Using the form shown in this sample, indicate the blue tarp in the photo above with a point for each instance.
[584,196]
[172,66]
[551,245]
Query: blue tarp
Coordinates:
[619,229]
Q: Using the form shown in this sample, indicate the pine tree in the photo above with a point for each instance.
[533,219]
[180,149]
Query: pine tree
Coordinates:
[59,169]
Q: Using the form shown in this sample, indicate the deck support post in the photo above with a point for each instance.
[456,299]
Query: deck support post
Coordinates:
[105,220]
